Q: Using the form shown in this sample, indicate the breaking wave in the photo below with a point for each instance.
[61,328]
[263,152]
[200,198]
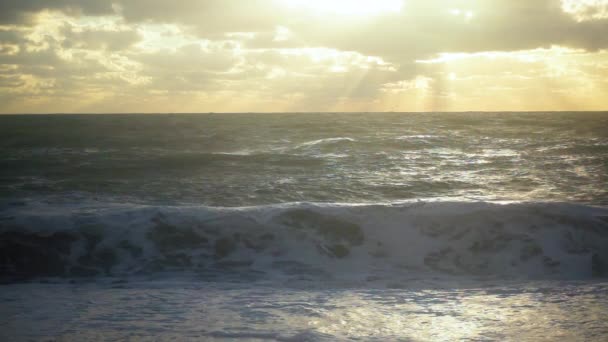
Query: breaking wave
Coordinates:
[305,241]
[326,141]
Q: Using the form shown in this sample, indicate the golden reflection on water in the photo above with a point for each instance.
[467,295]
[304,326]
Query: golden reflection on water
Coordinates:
[455,316]
[518,312]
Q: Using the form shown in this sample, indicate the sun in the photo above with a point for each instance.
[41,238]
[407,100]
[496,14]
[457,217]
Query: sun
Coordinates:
[348,7]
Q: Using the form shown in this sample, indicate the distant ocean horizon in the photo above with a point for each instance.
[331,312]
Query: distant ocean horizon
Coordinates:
[315,112]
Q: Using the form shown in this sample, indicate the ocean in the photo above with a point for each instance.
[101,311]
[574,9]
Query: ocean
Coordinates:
[304,227]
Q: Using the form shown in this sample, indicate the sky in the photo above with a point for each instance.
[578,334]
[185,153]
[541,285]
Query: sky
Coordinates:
[89,56]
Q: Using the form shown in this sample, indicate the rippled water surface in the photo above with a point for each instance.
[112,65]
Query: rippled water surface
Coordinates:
[251,159]
[187,311]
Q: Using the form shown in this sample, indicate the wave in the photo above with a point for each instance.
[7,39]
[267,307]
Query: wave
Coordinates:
[305,241]
[326,141]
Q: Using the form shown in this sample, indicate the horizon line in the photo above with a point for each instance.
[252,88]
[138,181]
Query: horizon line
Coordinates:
[310,112]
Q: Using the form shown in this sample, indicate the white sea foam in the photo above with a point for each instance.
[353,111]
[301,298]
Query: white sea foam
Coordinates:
[339,242]
[325,141]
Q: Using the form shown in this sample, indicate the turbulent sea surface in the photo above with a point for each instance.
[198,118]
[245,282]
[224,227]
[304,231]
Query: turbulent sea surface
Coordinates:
[304,227]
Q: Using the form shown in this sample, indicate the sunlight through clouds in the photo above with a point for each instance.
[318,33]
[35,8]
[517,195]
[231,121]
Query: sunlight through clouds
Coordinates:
[304,55]
[584,10]
[348,7]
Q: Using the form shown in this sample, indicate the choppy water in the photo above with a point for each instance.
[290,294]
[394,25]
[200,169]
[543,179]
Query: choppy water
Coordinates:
[252,159]
[154,311]
[304,227]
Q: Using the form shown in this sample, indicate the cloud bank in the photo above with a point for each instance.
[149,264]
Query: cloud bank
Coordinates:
[282,55]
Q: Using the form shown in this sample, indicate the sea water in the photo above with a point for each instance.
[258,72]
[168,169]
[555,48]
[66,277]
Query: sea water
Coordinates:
[304,227]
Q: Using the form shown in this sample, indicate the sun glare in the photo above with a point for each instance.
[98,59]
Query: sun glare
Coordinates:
[349,7]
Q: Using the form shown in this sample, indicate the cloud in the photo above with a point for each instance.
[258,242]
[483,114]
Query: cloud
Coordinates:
[209,18]
[584,10]
[422,27]
[278,55]
[94,39]
[24,11]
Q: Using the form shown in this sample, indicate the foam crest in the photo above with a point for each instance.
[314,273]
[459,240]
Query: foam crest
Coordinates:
[326,141]
[304,241]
